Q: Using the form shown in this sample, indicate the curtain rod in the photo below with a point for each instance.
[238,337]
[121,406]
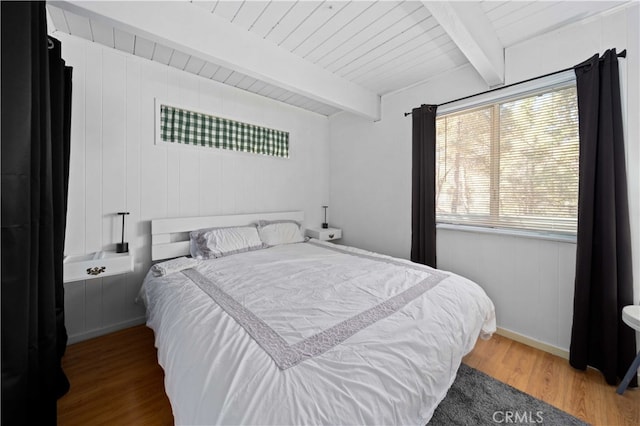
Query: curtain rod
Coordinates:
[622,54]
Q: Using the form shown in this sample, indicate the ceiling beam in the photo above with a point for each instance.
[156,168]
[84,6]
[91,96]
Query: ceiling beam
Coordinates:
[185,27]
[471,30]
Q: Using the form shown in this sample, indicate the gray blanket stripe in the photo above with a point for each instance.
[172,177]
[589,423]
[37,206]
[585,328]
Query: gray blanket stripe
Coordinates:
[256,328]
[286,356]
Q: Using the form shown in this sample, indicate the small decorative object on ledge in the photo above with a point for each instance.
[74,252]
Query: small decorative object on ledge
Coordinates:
[182,126]
[325,224]
[122,247]
[96,270]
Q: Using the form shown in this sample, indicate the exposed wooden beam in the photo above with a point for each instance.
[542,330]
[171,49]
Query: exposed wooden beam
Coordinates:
[184,27]
[470,29]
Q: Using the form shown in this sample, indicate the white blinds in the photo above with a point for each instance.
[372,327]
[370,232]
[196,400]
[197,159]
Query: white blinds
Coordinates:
[511,164]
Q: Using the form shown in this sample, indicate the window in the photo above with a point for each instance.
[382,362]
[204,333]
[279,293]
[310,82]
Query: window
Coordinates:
[511,163]
[183,126]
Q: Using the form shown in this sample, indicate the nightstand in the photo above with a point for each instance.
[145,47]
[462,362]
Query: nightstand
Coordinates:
[96,265]
[326,234]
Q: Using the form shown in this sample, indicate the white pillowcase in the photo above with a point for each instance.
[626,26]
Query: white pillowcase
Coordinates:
[217,242]
[279,232]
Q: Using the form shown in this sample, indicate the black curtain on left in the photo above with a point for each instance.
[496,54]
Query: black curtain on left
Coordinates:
[36,118]
[423,185]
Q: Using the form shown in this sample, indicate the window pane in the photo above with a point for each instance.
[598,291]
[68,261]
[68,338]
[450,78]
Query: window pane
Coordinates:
[463,158]
[538,158]
[511,164]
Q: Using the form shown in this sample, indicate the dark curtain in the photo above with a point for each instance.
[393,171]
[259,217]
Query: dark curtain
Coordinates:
[603,284]
[36,102]
[423,192]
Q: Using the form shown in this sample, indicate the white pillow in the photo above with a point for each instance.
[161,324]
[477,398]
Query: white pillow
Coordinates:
[274,233]
[217,242]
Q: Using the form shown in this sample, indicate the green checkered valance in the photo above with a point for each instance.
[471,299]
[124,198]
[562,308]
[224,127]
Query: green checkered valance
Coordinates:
[193,128]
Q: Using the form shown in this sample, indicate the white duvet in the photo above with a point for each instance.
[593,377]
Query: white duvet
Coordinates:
[394,370]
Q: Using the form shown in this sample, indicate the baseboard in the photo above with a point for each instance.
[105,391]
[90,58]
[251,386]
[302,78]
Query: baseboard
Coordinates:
[86,335]
[562,353]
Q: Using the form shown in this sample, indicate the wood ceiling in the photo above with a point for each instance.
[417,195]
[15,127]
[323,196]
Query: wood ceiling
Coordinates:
[331,55]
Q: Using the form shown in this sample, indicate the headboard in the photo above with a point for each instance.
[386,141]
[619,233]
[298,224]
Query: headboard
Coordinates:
[170,237]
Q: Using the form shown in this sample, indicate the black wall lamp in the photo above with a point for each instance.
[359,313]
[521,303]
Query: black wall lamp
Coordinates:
[325,225]
[122,247]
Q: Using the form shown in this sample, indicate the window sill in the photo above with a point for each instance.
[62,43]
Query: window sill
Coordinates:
[536,235]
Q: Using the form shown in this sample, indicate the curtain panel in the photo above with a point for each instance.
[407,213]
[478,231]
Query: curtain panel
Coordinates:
[193,128]
[423,188]
[603,283]
[36,96]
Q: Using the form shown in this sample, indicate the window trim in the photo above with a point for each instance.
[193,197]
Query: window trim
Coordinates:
[549,83]
[501,95]
[510,232]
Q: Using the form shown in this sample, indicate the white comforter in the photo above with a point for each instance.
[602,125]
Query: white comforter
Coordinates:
[394,371]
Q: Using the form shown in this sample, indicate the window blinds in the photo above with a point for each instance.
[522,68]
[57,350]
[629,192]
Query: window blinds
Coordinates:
[192,128]
[511,164]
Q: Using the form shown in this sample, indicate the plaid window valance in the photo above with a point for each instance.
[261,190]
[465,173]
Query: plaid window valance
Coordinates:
[194,128]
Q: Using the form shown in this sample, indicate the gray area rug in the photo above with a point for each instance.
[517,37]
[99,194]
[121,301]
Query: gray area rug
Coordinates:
[478,399]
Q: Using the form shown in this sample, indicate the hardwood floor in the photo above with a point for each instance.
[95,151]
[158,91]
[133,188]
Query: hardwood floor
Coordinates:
[550,378]
[116,380]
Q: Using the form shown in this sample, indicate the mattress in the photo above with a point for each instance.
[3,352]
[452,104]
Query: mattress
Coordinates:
[312,333]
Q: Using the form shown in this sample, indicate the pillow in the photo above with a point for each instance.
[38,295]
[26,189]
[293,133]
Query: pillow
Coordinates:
[274,233]
[217,242]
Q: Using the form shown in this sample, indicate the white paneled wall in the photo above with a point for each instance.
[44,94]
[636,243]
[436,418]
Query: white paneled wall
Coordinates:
[116,166]
[530,280]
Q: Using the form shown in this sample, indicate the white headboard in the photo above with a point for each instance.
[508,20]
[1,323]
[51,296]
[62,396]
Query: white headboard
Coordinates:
[170,237]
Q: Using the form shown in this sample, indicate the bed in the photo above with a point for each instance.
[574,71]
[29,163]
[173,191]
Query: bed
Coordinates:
[305,333]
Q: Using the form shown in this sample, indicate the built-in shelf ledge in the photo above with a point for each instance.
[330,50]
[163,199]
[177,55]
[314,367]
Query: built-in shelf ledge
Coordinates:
[96,265]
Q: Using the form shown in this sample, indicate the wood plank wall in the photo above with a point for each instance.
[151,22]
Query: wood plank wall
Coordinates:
[116,166]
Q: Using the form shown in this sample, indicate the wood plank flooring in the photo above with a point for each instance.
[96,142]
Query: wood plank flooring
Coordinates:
[116,380]
[550,378]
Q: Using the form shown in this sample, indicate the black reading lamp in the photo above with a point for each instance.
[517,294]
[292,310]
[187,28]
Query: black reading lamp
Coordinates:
[325,225]
[122,247]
